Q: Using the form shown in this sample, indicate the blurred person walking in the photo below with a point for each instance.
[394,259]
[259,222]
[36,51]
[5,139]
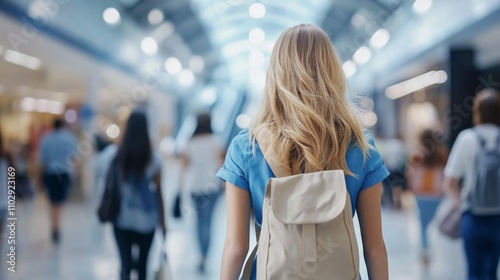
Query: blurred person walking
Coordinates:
[425,179]
[24,187]
[395,155]
[57,155]
[309,126]
[6,161]
[475,160]
[141,206]
[202,157]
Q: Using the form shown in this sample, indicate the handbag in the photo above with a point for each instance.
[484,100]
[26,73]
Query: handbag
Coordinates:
[164,272]
[110,203]
[450,225]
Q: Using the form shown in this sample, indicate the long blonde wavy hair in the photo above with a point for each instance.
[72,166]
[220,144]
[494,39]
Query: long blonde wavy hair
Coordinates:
[305,117]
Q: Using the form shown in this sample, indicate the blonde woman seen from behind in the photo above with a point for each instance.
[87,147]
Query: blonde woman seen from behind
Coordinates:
[309,126]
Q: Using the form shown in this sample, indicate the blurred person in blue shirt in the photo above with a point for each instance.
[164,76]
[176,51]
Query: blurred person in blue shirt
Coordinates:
[57,155]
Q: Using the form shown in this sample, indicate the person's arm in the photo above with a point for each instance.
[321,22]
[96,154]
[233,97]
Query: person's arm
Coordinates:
[184,160]
[452,186]
[161,208]
[370,220]
[459,161]
[222,154]
[41,169]
[73,148]
[414,162]
[41,164]
[183,171]
[237,232]
[222,150]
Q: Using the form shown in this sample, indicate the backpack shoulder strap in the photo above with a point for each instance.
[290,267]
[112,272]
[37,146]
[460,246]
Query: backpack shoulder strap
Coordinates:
[278,171]
[482,141]
[247,269]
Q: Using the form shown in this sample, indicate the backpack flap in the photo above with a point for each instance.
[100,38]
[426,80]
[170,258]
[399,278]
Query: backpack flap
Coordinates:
[310,198]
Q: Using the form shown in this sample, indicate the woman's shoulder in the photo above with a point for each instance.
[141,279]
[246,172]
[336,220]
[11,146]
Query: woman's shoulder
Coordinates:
[355,147]
[241,146]
[244,133]
[357,159]
[369,137]
[242,139]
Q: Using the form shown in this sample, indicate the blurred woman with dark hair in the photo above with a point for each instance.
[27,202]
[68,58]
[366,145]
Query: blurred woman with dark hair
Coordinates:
[141,207]
[203,156]
[425,178]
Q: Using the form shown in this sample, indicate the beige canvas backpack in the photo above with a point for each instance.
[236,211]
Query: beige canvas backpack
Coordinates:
[307,228]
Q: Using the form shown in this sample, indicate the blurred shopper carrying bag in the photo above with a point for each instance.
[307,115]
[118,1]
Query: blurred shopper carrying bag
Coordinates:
[475,162]
[133,199]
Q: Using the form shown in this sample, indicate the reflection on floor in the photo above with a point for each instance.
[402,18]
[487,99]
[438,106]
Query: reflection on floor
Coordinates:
[88,251]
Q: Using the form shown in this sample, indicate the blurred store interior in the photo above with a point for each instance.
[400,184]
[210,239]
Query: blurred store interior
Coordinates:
[410,64]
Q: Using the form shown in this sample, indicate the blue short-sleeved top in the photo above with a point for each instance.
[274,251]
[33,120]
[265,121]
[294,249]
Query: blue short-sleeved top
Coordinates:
[249,171]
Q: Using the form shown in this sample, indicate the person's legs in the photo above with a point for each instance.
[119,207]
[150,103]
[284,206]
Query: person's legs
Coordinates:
[475,246]
[57,188]
[205,205]
[144,241]
[492,255]
[427,207]
[51,183]
[124,241]
[55,214]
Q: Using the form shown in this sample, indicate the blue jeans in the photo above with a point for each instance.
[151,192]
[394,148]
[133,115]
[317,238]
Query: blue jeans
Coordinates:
[427,207]
[205,204]
[481,236]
